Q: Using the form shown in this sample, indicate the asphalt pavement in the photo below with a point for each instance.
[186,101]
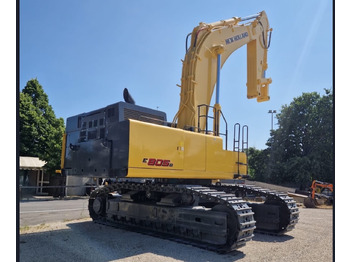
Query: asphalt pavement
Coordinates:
[48,211]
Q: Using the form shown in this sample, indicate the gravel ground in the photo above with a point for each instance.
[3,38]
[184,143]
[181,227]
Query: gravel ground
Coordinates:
[83,240]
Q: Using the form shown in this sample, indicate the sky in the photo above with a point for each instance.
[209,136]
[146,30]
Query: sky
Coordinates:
[84,53]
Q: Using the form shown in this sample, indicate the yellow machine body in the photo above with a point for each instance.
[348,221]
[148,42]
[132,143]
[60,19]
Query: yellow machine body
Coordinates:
[163,152]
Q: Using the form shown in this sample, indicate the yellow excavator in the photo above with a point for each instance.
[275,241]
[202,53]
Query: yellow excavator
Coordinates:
[161,172]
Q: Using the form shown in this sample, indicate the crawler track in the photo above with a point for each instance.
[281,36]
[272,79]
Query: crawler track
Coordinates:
[277,215]
[201,216]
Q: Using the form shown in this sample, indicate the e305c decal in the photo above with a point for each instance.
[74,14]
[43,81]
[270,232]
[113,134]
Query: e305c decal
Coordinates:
[157,162]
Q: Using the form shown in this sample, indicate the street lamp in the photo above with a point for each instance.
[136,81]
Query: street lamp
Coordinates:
[272,112]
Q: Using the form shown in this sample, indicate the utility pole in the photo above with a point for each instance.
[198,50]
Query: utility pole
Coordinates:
[272,112]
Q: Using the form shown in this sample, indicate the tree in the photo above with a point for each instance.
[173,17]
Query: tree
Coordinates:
[258,164]
[303,143]
[302,148]
[40,132]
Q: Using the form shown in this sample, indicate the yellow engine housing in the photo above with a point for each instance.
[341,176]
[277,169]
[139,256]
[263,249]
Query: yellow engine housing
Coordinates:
[157,151]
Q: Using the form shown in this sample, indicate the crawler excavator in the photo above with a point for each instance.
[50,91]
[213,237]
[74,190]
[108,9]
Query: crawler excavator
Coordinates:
[163,171]
[317,194]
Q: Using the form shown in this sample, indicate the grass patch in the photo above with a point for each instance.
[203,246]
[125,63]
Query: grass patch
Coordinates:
[28,229]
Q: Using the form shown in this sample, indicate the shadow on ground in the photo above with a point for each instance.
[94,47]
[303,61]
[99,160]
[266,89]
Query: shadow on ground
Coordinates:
[271,238]
[88,241]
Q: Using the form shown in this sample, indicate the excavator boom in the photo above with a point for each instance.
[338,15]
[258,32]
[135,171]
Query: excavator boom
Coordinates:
[211,45]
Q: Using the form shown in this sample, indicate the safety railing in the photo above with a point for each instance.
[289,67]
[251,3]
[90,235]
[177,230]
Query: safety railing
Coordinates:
[217,114]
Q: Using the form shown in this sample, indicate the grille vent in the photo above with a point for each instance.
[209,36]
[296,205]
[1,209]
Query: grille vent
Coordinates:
[142,116]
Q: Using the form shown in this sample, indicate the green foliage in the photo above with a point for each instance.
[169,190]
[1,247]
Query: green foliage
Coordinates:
[258,162]
[40,132]
[302,148]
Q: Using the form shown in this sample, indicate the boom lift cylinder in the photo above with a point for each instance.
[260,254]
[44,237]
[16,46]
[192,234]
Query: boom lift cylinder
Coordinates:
[218,79]
[217,107]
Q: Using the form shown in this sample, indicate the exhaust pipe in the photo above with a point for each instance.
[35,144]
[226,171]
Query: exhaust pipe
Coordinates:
[127,97]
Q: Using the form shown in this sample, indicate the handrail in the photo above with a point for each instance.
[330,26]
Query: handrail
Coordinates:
[217,113]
